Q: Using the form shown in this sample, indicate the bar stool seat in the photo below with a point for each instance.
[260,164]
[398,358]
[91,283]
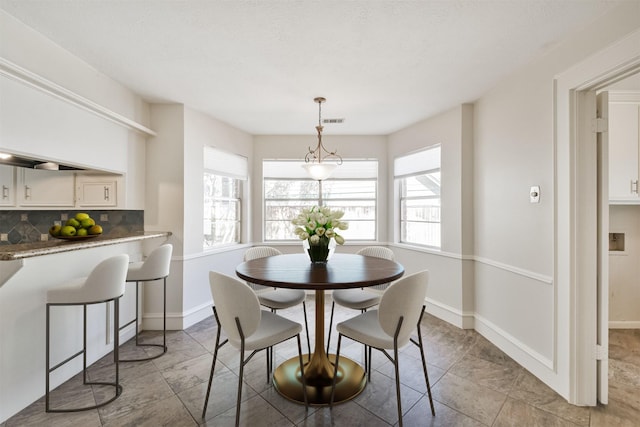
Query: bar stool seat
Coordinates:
[105,283]
[155,267]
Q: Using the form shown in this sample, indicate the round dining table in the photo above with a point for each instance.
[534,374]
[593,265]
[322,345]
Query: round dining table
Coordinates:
[341,271]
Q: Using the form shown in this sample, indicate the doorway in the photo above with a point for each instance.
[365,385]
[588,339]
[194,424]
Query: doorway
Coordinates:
[576,217]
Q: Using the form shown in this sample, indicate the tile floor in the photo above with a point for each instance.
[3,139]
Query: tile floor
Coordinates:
[473,384]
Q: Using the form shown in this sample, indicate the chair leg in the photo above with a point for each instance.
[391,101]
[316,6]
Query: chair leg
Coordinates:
[306,327]
[116,342]
[266,353]
[397,369]
[424,368]
[369,366]
[85,381]
[47,344]
[333,305]
[84,344]
[164,317]
[335,372]
[238,400]
[213,366]
[137,314]
[164,326]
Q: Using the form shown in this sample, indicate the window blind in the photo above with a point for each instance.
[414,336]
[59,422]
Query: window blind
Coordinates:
[226,164]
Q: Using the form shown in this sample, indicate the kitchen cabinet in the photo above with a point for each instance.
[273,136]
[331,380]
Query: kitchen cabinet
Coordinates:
[96,191]
[46,188]
[7,185]
[624,153]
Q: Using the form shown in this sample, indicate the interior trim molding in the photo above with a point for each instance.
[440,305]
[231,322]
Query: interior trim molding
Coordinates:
[519,271]
[515,348]
[482,260]
[624,324]
[152,321]
[33,80]
[464,320]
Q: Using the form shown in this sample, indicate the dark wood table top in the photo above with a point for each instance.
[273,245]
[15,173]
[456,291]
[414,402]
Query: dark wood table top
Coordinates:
[342,271]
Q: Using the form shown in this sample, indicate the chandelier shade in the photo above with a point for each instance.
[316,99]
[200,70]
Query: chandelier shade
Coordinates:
[320,171]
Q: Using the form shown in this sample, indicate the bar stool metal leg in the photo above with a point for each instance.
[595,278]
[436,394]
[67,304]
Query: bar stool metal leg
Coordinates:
[49,369]
[164,326]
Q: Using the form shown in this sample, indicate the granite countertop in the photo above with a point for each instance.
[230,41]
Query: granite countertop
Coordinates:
[54,246]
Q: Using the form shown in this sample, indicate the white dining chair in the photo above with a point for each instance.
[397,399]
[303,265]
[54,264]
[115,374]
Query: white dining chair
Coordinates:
[277,298]
[389,327]
[360,298]
[247,327]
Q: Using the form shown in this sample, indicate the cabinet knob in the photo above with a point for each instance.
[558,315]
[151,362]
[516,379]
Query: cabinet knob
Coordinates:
[106,192]
[5,192]
[634,186]
[27,192]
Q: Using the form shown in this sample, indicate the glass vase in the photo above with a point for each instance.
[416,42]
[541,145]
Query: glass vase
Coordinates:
[320,252]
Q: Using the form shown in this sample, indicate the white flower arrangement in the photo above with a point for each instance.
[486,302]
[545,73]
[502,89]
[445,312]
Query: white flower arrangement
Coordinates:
[318,224]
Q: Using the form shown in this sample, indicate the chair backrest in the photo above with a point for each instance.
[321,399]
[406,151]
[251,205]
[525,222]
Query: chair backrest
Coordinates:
[378,252]
[157,264]
[260,252]
[405,298]
[107,280]
[234,298]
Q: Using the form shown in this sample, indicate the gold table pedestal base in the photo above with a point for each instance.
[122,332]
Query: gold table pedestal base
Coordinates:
[288,382]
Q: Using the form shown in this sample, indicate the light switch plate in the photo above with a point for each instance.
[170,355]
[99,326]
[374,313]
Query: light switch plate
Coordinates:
[534,194]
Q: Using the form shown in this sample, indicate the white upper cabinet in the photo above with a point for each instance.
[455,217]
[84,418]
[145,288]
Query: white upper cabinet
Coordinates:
[624,160]
[96,191]
[8,185]
[46,188]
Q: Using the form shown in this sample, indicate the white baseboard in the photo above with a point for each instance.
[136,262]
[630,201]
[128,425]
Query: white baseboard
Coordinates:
[197,314]
[530,359]
[176,321]
[624,324]
[127,333]
[450,314]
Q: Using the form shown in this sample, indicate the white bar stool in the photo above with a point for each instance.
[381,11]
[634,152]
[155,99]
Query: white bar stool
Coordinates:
[155,267]
[104,284]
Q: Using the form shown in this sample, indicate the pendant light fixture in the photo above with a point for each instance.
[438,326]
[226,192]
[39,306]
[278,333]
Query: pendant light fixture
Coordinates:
[315,160]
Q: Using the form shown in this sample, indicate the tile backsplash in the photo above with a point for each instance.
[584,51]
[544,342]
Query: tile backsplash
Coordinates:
[33,226]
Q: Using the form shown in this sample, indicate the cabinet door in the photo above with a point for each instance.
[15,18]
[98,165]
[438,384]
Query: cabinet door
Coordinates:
[46,188]
[98,193]
[623,152]
[7,186]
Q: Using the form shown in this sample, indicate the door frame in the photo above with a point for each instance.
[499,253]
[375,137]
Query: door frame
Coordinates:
[577,305]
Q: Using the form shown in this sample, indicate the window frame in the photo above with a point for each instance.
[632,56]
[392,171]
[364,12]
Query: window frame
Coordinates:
[329,202]
[238,222]
[400,184]
[231,166]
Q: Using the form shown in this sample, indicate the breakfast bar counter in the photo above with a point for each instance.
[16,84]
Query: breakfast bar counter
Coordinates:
[54,246]
[27,273]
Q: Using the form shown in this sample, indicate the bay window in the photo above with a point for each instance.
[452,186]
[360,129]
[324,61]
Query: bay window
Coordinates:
[352,188]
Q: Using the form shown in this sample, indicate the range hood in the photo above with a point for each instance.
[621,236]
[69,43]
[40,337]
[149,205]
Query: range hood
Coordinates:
[25,162]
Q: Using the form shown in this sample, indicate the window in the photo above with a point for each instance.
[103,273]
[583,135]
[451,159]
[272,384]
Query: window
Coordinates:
[352,188]
[418,178]
[223,176]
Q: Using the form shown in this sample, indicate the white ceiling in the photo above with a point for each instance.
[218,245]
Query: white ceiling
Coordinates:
[257,65]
